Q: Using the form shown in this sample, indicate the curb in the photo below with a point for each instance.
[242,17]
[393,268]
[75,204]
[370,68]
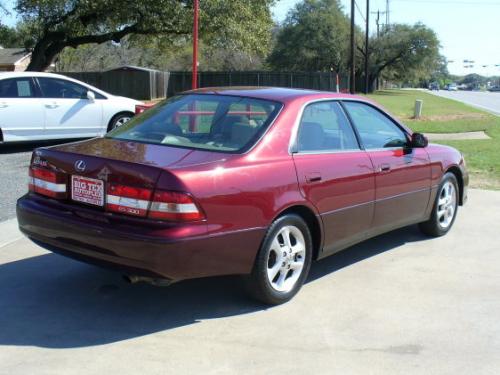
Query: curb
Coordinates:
[9,232]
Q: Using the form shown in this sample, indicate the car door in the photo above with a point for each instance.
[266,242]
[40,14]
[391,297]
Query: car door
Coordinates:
[403,174]
[21,111]
[68,111]
[334,174]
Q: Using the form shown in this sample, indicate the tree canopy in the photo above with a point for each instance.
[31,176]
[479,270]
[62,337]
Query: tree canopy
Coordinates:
[314,37]
[403,53]
[52,25]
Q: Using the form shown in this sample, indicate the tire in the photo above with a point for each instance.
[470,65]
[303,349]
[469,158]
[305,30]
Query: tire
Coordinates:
[289,261]
[119,119]
[445,208]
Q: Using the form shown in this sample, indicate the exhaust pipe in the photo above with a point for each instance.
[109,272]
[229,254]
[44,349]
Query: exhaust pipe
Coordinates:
[134,279]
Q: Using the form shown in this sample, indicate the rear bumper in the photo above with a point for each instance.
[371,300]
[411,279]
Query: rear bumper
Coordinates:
[161,254]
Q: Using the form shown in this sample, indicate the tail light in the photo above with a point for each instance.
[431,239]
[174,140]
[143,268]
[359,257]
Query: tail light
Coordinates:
[176,206]
[128,200]
[139,108]
[47,182]
[162,205]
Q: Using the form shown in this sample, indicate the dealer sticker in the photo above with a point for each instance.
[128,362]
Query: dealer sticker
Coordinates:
[87,190]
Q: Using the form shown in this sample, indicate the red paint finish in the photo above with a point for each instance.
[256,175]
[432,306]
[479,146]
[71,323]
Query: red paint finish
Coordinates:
[239,195]
[403,183]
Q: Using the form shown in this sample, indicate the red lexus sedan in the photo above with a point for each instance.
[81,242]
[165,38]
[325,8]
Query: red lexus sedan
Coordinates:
[250,181]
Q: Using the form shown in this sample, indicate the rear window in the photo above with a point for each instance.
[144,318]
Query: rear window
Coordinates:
[209,122]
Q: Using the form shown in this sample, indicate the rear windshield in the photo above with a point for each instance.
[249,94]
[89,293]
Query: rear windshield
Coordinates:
[209,122]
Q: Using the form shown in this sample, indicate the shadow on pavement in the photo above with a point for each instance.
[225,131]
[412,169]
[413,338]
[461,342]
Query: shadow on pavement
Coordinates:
[50,301]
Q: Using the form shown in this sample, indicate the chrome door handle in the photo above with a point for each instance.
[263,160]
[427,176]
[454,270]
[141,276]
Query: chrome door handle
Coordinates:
[384,168]
[52,105]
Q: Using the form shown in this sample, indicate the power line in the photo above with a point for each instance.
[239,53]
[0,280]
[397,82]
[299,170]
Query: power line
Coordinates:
[360,12]
[451,2]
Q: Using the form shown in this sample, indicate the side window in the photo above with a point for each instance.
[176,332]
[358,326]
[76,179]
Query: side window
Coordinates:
[17,88]
[62,89]
[324,127]
[375,129]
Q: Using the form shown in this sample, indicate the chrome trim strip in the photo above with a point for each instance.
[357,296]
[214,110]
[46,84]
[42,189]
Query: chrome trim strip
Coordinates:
[376,201]
[295,129]
[127,202]
[346,151]
[402,194]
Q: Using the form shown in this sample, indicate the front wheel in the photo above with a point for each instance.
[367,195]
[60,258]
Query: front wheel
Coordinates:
[445,208]
[283,261]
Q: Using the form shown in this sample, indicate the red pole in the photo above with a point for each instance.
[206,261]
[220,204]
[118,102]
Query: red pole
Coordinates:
[195,44]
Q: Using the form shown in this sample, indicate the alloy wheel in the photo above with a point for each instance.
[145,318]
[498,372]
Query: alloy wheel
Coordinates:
[286,258]
[447,205]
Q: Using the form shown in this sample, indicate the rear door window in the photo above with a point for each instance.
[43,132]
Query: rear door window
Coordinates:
[17,88]
[324,127]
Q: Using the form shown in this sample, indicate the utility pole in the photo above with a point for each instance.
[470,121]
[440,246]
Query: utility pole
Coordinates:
[378,13]
[196,6]
[387,11]
[367,35]
[353,46]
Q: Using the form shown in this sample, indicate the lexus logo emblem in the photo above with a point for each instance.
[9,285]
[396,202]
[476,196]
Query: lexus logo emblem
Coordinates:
[80,165]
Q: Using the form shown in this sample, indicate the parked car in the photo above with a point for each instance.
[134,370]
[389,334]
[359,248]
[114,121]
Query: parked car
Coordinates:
[451,87]
[38,106]
[494,89]
[434,86]
[250,181]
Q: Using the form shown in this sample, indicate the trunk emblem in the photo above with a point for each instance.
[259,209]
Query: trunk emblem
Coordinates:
[80,165]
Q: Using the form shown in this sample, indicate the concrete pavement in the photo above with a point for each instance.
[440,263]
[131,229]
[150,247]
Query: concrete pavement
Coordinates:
[397,304]
[489,101]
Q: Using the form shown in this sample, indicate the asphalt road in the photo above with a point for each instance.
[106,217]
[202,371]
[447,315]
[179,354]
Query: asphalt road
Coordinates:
[14,163]
[489,101]
[397,304]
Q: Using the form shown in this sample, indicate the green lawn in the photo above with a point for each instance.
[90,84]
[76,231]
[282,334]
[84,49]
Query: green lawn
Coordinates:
[442,115]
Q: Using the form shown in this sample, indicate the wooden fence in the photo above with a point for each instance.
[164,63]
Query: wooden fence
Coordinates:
[150,85]
[181,81]
[137,84]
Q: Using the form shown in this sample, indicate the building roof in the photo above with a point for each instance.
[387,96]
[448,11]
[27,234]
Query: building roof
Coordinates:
[10,56]
[132,67]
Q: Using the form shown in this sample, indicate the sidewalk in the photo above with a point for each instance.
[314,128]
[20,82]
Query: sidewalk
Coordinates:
[400,303]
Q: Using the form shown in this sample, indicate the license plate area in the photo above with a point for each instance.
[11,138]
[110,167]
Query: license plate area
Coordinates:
[87,190]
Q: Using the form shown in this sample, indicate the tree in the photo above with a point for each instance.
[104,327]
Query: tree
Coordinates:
[57,24]
[313,38]
[10,37]
[403,53]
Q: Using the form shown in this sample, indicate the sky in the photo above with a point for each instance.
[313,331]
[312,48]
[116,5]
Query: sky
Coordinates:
[467,29]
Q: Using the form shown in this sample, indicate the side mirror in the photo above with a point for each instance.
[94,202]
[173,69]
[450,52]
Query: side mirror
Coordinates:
[90,96]
[418,140]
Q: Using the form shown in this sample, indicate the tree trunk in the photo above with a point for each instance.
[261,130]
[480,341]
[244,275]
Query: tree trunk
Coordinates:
[43,54]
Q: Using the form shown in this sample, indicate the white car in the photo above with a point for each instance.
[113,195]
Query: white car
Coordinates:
[38,106]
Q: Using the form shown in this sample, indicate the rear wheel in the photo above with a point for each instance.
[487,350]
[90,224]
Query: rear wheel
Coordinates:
[283,261]
[119,120]
[445,208]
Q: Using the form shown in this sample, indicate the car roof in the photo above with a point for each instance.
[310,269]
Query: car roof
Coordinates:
[280,94]
[6,75]
[29,74]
